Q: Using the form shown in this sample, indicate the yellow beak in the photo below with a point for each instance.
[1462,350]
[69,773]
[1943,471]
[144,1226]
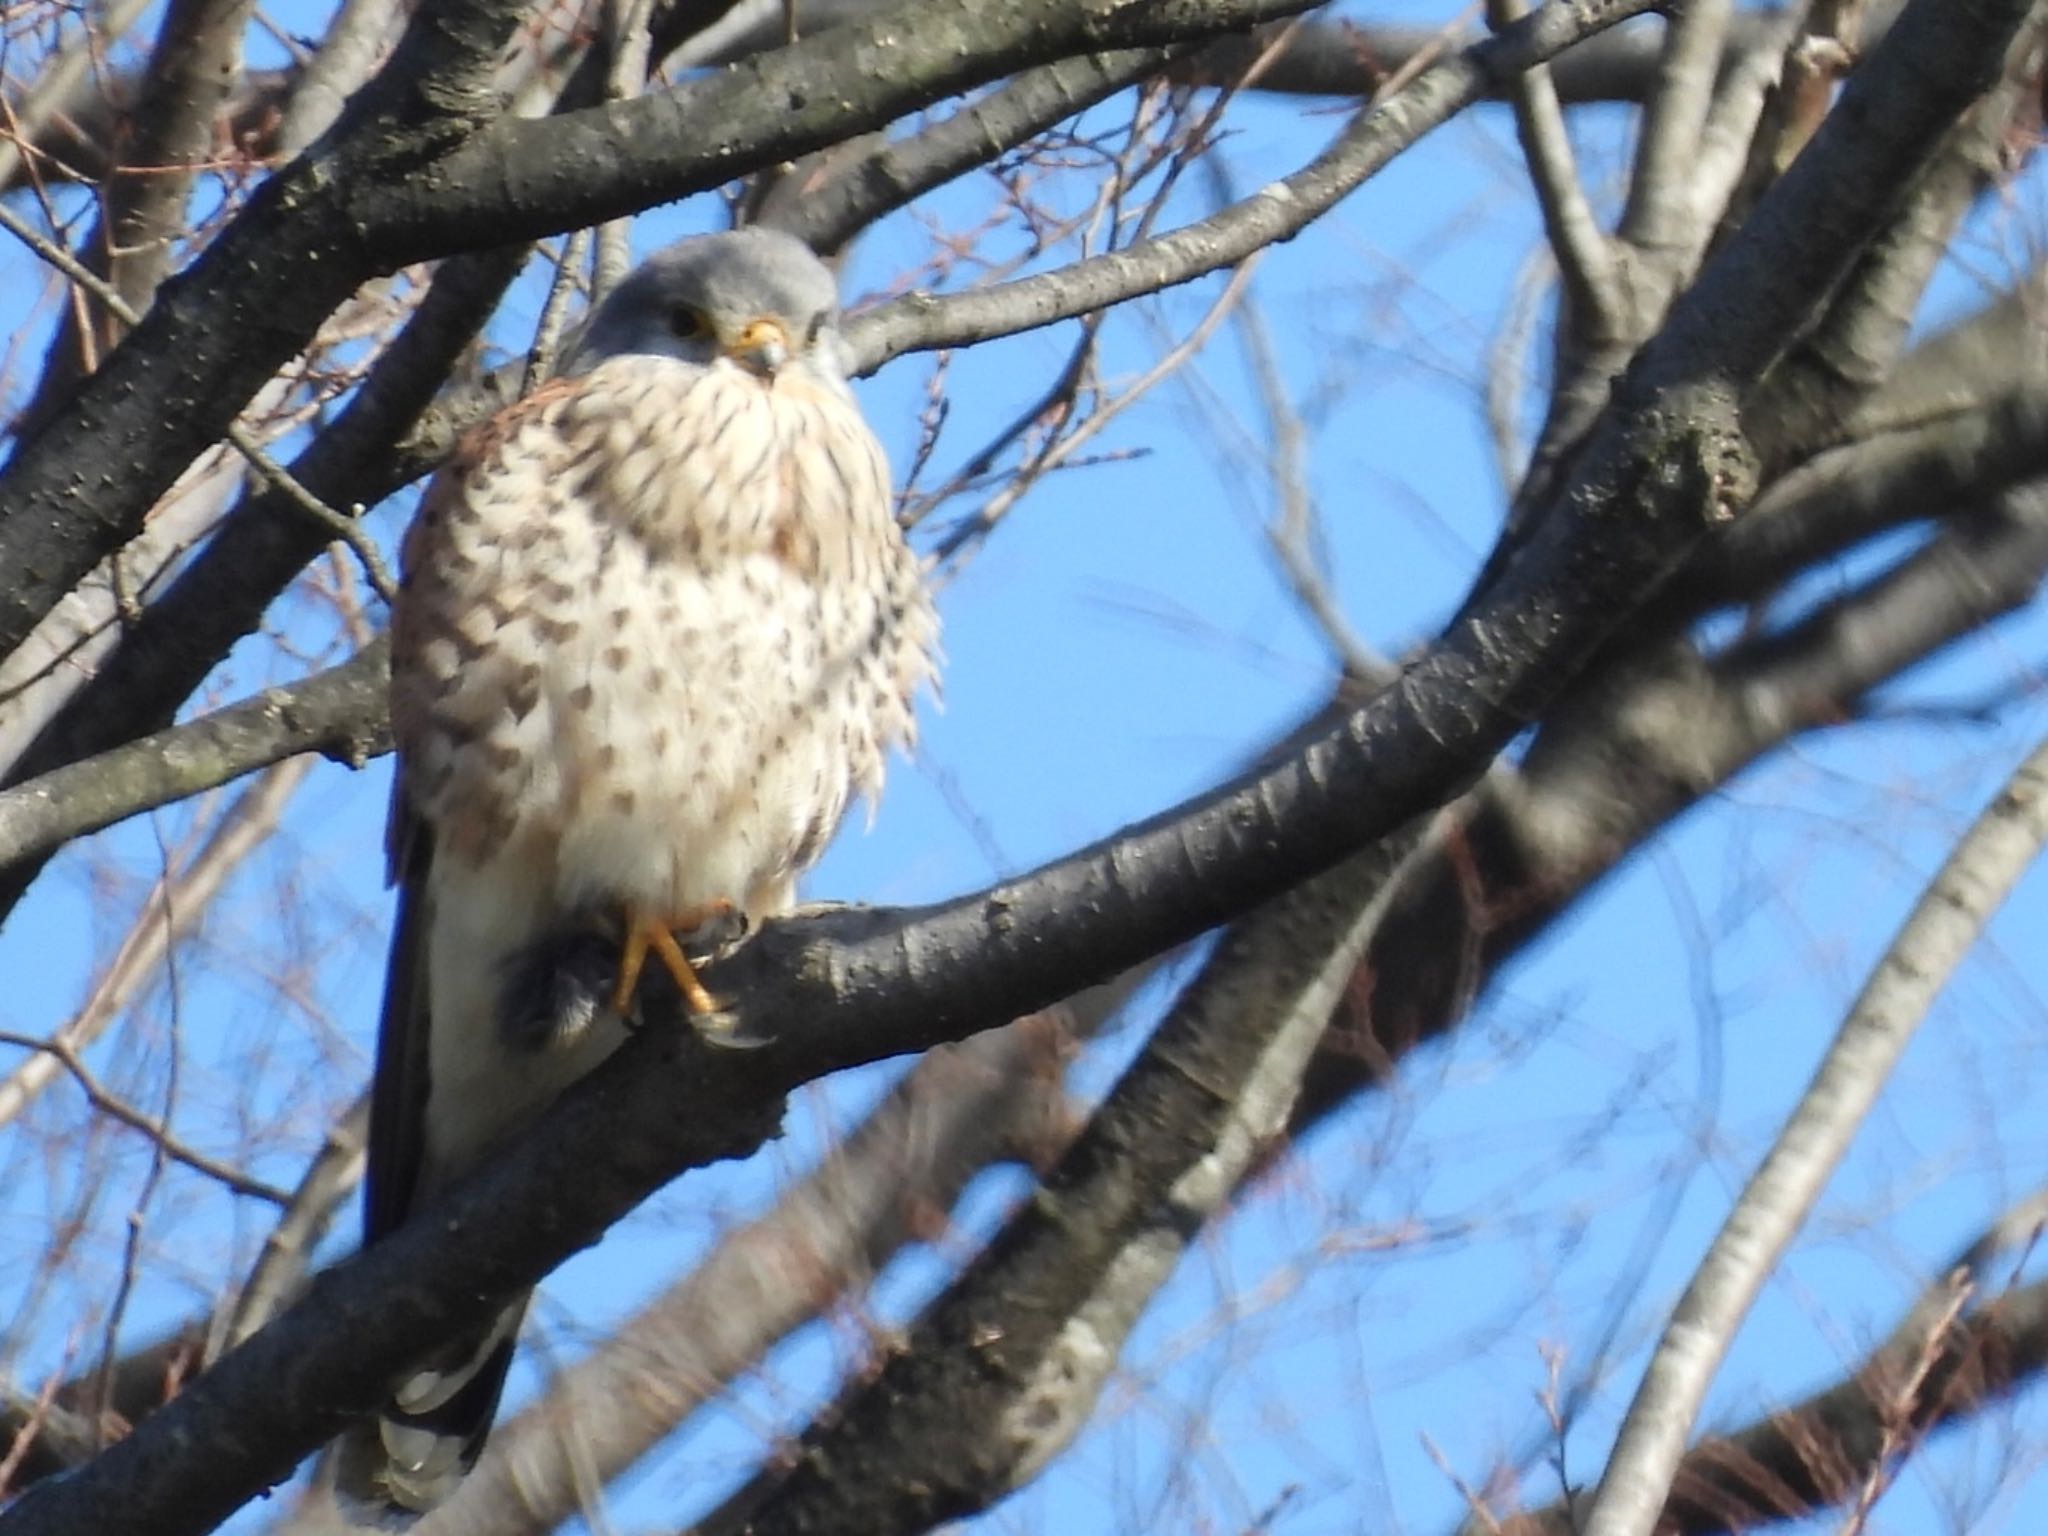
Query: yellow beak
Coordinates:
[763,346]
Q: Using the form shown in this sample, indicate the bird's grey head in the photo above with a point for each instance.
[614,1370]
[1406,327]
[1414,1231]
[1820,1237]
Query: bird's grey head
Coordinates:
[756,296]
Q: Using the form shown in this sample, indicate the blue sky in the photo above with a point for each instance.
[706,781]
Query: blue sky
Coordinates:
[1387,1301]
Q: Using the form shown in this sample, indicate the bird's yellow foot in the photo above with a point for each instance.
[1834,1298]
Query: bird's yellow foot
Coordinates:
[645,933]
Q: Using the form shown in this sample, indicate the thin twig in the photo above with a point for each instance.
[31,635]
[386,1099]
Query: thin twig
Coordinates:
[1585,258]
[1294,533]
[999,505]
[118,1109]
[334,1171]
[554,312]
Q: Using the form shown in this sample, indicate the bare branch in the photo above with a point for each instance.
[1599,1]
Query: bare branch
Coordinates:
[334,1173]
[891,175]
[1974,881]
[416,168]
[1658,729]
[1808,1455]
[1272,214]
[1853,348]
[359,34]
[1349,58]
[339,713]
[1585,262]
[66,80]
[156,1130]
[995,1097]
[1658,213]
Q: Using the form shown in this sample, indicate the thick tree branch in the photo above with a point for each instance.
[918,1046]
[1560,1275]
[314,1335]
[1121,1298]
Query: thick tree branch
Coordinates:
[954,1418]
[80,486]
[196,61]
[1856,343]
[1765,285]
[266,540]
[1644,740]
[1346,58]
[999,1096]
[1811,226]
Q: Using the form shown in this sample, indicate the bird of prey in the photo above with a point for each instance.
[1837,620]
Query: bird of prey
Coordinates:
[657,627]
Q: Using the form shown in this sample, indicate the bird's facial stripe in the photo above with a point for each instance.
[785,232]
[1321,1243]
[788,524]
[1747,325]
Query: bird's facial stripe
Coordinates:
[762,344]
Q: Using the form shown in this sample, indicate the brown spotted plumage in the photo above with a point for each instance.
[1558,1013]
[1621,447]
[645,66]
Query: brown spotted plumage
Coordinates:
[658,627]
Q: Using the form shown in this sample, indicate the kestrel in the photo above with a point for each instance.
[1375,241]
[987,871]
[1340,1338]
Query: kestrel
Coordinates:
[657,627]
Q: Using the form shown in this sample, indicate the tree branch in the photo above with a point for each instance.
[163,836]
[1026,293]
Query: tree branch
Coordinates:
[1274,213]
[1004,1369]
[1974,881]
[340,713]
[999,1096]
[1804,1457]
[893,174]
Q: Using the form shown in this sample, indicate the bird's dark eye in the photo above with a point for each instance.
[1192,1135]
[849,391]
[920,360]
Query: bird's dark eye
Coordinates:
[815,329]
[687,324]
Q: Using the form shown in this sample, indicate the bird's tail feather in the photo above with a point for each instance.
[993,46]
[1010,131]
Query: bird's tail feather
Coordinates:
[414,1452]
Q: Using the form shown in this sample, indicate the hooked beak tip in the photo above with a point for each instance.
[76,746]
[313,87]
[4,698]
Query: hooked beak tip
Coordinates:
[763,347]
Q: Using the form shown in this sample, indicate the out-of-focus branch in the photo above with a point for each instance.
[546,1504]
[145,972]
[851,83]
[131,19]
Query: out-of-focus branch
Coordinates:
[1653,732]
[1001,1372]
[1973,883]
[53,1433]
[391,432]
[60,1427]
[1909,612]
[280,1272]
[192,69]
[1658,213]
[1294,533]
[358,35]
[1585,261]
[53,126]
[119,1109]
[167,917]
[1936,1368]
